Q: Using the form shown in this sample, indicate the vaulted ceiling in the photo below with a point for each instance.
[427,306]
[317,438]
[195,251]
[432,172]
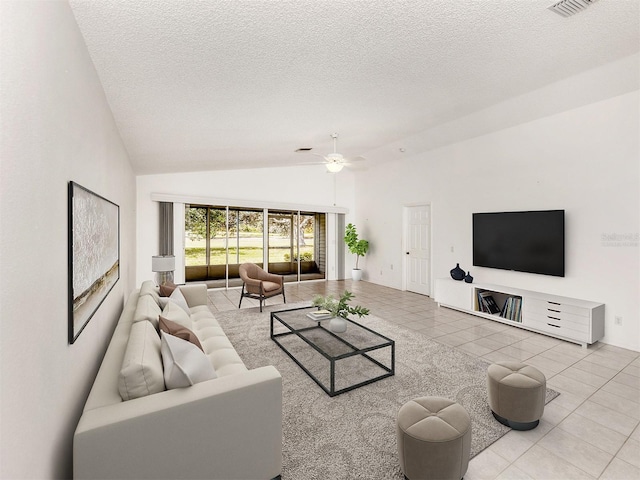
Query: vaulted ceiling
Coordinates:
[225,84]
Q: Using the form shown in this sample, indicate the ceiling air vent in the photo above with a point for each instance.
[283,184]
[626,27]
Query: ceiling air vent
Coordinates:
[566,8]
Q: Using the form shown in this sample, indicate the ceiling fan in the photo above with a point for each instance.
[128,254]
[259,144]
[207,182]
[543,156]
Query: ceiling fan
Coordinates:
[335,161]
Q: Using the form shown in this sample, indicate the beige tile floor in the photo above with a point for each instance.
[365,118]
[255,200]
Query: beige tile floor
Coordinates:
[590,431]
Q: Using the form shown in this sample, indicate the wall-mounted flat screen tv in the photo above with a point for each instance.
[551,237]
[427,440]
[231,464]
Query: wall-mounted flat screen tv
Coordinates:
[530,242]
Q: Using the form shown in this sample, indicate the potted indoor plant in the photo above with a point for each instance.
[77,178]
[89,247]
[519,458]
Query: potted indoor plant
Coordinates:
[339,309]
[358,247]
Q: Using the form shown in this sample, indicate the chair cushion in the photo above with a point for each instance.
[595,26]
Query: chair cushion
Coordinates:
[270,286]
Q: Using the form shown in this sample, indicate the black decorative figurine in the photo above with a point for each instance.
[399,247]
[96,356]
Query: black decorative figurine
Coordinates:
[468,278]
[457,273]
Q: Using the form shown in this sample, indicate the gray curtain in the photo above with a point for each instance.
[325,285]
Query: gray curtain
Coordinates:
[166,229]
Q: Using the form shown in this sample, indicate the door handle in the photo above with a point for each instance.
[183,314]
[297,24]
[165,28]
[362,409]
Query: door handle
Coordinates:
[407,253]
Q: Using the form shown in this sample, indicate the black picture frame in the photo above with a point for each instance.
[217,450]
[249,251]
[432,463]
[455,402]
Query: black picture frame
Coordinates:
[93,254]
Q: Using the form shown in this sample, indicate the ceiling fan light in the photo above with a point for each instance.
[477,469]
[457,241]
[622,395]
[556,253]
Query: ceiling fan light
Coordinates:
[334,167]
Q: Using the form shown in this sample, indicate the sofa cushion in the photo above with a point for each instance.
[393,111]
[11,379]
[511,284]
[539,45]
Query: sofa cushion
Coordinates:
[203,317]
[147,309]
[184,363]
[177,330]
[173,312]
[149,288]
[141,373]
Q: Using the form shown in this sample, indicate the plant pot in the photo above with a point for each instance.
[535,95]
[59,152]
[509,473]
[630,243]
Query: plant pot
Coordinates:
[338,325]
[356,274]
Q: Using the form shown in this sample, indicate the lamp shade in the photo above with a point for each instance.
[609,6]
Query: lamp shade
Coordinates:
[163,263]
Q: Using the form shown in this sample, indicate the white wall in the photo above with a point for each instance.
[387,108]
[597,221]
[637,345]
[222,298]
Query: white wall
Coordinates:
[302,185]
[56,126]
[584,160]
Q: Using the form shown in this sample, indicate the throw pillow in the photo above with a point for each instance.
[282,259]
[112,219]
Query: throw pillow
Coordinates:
[184,364]
[179,299]
[167,289]
[173,312]
[141,373]
[177,330]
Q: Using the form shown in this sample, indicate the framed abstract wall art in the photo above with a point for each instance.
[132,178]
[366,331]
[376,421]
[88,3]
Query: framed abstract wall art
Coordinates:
[94,254]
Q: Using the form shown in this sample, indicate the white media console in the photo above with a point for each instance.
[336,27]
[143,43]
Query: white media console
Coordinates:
[571,319]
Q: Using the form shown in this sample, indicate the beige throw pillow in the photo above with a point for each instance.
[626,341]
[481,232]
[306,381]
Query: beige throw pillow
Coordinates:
[173,312]
[184,363]
[179,300]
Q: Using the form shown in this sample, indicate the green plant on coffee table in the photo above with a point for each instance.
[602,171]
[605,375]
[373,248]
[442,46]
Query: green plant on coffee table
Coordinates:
[339,307]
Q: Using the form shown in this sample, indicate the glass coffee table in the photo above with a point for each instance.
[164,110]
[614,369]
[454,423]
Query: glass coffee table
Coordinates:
[337,362]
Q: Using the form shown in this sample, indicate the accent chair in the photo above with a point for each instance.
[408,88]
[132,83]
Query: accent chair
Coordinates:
[259,284]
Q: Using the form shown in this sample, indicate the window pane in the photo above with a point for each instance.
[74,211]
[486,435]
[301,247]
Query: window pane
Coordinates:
[306,233]
[217,243]
[281,241]
[248,237]
[195,236]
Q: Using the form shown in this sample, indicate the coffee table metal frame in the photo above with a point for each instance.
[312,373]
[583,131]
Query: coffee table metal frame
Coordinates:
[331,390]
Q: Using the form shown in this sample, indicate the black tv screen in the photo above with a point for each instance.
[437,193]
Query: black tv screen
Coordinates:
[530,242]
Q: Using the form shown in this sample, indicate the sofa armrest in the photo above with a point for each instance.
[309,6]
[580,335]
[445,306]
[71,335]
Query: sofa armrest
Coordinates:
[195,294]
[226,428]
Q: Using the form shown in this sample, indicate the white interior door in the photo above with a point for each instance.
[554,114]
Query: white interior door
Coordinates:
[418,249]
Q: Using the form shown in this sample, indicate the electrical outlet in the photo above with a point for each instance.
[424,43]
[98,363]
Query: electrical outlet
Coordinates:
[451,248]
[618,320]
[392,266]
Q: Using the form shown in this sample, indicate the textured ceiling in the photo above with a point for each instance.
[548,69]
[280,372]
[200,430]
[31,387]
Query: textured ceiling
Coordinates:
[213,84]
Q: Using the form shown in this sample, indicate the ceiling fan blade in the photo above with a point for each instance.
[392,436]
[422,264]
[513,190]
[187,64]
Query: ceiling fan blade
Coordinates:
[312,163]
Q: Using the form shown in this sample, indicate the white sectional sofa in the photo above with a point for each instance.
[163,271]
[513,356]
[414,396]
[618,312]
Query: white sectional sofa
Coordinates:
[229,427]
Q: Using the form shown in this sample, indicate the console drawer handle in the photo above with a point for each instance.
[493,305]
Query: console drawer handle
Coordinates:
[554,303]
[552,310]
[552,325]
[554,318]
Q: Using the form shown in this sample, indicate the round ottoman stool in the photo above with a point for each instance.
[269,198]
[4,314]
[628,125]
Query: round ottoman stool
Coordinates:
[434,439]
[516,394]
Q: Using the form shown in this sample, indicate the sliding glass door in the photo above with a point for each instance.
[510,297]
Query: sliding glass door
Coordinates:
[219,239]
[196,242]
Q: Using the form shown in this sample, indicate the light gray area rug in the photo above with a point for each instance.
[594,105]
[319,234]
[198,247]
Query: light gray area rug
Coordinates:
[353,435]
